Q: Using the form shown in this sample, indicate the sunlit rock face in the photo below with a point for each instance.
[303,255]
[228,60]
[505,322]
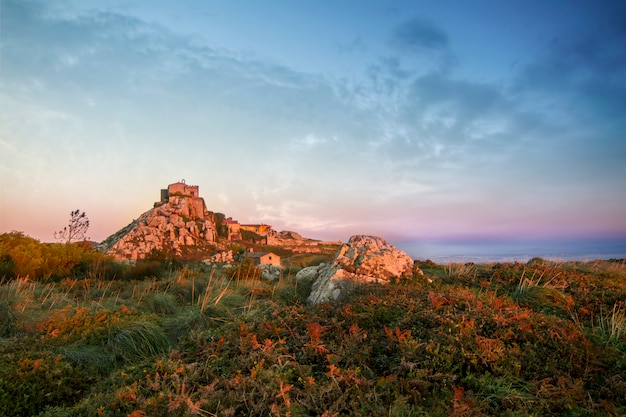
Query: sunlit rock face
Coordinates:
[295,242]
[362,259]
[182,221]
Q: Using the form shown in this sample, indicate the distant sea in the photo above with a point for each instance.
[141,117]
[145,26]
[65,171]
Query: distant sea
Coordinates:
[516,251]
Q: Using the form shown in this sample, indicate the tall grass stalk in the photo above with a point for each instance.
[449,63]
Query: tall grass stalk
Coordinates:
[613,324]
[138,340]
[18,292]
[222,293]
[532,292]
[455,270]
[207,292]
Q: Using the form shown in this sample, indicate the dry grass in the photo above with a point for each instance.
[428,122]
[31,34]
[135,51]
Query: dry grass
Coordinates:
[535,293]
[457,270]
[612,325]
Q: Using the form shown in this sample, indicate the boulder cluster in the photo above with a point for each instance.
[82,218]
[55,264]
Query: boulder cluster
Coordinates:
[362,259]
[182,221]
[224,257]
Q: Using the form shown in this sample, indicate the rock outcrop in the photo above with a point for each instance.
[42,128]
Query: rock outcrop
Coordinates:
[362,259]
[270,272]
[181,221]
[225,257]
[296,243]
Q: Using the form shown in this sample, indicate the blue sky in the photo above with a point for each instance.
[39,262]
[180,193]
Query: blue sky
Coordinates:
[412,120]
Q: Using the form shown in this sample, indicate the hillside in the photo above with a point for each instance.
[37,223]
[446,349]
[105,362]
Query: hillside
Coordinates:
[541,338]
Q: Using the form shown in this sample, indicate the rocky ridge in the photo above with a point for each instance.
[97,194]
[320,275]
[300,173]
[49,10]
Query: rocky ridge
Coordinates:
[296,243]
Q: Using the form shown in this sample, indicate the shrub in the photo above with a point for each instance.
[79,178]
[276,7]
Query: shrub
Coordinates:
[7,266]
[22,255]
[97,265]
[536,261]
[146,268]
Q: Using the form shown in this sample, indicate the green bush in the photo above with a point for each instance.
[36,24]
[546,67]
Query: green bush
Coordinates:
[7,266]
[22,256]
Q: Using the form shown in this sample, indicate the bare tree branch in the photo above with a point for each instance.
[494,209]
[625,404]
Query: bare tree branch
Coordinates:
[76,229]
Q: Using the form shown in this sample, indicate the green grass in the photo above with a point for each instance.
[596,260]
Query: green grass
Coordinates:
[89,357]
[163,303]
[7,319]
[138,340]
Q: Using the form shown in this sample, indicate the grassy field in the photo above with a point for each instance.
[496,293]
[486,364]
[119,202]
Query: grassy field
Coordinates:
[540,339]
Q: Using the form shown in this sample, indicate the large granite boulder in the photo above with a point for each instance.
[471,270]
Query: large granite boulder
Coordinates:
[362,259]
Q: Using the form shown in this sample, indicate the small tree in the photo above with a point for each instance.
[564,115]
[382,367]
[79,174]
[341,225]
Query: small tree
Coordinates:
[76,229]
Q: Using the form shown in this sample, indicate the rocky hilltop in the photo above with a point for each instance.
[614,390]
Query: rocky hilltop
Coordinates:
[181,220]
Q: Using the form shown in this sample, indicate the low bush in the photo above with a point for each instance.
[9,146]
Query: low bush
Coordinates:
[146,268]
[23,256]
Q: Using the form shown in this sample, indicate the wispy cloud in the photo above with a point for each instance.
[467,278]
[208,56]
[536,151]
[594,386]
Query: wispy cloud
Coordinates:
[417,35]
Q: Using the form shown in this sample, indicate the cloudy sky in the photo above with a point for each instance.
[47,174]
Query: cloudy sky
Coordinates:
[412,120]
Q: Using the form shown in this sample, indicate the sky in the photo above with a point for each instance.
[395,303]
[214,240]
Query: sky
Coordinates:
[417,121]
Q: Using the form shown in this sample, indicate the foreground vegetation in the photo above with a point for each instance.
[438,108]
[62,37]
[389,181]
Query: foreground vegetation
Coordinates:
[540,338]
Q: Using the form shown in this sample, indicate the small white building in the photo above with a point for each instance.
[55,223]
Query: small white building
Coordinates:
[264,258]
